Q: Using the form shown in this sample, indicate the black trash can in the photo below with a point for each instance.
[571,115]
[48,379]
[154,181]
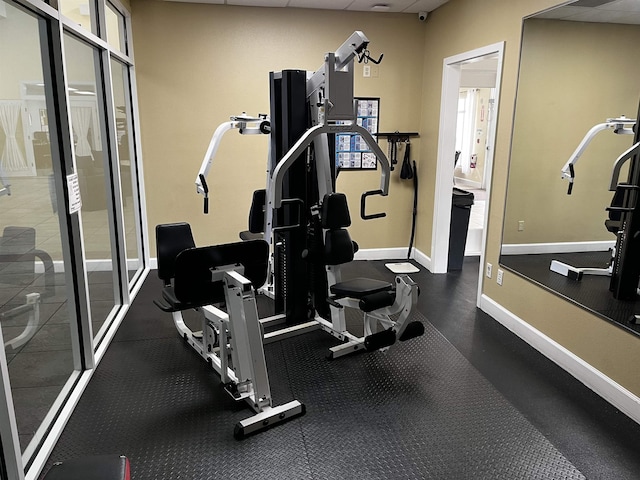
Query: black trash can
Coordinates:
[460,211]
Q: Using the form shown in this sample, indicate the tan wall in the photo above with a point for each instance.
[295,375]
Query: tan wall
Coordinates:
[466,25]
[197,65]
[565,88]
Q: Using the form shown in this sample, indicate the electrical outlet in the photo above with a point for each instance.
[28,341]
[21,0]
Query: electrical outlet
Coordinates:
[521,225]
[489,267]
[499,277]
[366,71]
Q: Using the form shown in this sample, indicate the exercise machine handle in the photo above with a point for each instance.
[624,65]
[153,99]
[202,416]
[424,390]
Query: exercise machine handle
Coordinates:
[205,189]
[363,201]
[291,201]
[572,174]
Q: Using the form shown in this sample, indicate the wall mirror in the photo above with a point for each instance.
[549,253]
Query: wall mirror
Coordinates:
[579,75]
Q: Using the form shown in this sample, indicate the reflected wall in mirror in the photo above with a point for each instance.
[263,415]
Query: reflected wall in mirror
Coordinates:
[578,69]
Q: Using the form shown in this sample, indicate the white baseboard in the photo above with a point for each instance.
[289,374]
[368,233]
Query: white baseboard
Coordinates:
[381,253]
[561,247]
[364,254]
[422,259]
[367,254]
[92,265]
[614,393]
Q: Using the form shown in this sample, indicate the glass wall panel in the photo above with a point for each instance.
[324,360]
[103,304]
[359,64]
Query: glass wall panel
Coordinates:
[115,28]
[81,12]
[93,175]
[34,316]
[123,109]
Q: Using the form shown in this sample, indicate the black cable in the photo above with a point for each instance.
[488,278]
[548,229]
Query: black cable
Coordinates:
[415,208]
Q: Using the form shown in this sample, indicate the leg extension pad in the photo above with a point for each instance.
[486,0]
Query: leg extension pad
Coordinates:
[379,340]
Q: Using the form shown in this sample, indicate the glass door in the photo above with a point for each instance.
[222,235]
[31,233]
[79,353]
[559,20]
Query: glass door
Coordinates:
[94,175]
[37,316]
[126,162]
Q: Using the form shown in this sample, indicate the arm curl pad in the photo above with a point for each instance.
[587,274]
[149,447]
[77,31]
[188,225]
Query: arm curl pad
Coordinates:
[377,300]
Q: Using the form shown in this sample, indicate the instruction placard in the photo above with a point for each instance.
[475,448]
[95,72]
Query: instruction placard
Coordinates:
[73,185]
[352,152]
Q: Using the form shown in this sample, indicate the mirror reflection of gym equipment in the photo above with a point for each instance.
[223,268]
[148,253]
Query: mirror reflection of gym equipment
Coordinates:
[583,181]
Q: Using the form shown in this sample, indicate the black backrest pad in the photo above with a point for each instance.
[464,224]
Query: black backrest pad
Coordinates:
[193,284]
[171,239]
[256,213]
[335,211]
[338,247]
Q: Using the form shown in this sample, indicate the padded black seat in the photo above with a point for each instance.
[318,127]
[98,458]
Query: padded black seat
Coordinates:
[193,284]
[360,287]
[187,270]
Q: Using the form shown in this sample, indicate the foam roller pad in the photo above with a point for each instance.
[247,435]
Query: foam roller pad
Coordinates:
[412,330]
[376,301]
[379,340]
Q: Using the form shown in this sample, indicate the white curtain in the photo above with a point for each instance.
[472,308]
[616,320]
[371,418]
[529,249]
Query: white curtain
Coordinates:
[12,159]
[81,121]
[97,140]
[467,130]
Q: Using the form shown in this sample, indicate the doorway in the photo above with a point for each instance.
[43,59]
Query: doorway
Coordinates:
[467,72]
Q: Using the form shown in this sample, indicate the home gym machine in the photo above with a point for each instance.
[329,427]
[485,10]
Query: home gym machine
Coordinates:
[624,213]
[304,220]
[301,222]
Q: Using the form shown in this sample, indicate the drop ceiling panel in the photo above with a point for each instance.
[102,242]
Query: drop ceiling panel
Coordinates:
[561,13]
[324,4]
[622,5]
[259,3]
[406,6]
[618,11]
[424,6]
[212,2]
[367,5]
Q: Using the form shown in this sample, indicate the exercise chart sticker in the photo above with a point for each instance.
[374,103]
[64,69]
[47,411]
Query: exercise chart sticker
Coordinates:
[352,152]
[73,186]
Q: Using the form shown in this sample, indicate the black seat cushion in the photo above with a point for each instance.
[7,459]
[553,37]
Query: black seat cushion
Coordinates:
[193,283]
[359,287]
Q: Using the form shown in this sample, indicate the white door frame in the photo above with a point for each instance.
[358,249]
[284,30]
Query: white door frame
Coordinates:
[446,147]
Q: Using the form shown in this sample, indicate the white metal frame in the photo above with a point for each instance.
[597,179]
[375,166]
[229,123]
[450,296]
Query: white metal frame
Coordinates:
[237,334]
[335,113]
